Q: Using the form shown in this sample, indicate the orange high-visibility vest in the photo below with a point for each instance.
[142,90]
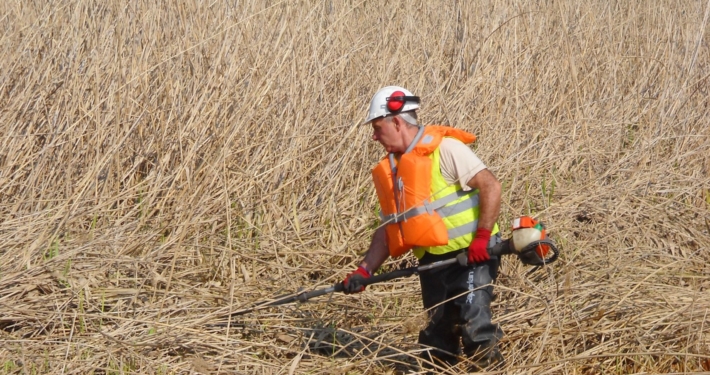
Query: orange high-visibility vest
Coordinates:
[404,190]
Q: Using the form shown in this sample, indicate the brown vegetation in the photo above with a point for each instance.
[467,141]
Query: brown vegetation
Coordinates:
[163,163]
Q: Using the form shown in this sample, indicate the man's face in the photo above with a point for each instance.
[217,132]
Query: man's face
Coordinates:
[385,131]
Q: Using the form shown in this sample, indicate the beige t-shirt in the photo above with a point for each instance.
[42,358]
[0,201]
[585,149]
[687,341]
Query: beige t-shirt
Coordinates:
[458,162]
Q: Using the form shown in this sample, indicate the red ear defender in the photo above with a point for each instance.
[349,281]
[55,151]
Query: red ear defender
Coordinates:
[395,102]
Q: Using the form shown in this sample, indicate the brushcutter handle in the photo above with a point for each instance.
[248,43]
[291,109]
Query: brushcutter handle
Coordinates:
[339,287]
[501,248]
[504,247]
[390,275]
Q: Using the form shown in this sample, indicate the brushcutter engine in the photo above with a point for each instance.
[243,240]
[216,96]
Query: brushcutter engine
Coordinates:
[531,244]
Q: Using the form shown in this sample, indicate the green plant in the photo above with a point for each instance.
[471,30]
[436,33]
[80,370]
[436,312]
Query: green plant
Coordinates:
[52,251]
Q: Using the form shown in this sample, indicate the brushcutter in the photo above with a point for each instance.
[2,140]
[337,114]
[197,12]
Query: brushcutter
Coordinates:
[537,253]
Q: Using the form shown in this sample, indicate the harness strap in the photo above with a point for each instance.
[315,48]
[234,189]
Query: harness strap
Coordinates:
[438,206]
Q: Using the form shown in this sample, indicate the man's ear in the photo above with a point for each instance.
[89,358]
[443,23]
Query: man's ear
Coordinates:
[397,122]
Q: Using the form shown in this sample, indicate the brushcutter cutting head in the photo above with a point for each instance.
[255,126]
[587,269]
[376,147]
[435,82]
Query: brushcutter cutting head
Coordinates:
[539,253]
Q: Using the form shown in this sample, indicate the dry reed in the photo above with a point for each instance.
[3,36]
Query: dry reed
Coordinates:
[164,163]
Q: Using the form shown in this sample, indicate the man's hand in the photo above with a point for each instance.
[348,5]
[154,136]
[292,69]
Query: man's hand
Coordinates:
[353,282]
[478,250]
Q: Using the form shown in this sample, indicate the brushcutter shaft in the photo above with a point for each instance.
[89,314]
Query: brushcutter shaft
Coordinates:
[504,247]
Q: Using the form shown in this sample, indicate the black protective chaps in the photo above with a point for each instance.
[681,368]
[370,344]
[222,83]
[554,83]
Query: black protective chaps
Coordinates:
[465,317]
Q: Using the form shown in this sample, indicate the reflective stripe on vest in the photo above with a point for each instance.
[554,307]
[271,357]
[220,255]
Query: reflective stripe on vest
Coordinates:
[438,205]
[460,213]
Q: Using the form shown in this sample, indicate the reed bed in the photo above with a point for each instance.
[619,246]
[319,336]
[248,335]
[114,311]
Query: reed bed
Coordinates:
[165,163]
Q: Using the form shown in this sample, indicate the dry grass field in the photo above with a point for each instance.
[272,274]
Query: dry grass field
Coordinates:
[163,163]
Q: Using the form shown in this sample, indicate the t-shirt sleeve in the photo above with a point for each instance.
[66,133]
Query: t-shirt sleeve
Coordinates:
[458,162]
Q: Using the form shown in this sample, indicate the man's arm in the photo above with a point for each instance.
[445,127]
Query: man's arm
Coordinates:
[375,256]
[489,194]
[377,253]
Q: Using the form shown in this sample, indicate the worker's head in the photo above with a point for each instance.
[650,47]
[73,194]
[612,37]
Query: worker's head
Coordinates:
[393,117]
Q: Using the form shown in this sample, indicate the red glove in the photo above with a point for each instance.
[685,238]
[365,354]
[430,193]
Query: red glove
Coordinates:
[352,282]
[478,250]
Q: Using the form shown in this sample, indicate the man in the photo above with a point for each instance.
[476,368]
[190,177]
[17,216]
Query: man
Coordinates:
[438,199]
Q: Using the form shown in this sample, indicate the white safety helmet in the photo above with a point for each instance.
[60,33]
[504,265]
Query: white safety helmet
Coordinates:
[391,100]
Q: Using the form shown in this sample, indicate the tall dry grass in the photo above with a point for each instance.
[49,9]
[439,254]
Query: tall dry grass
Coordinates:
[164,163]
